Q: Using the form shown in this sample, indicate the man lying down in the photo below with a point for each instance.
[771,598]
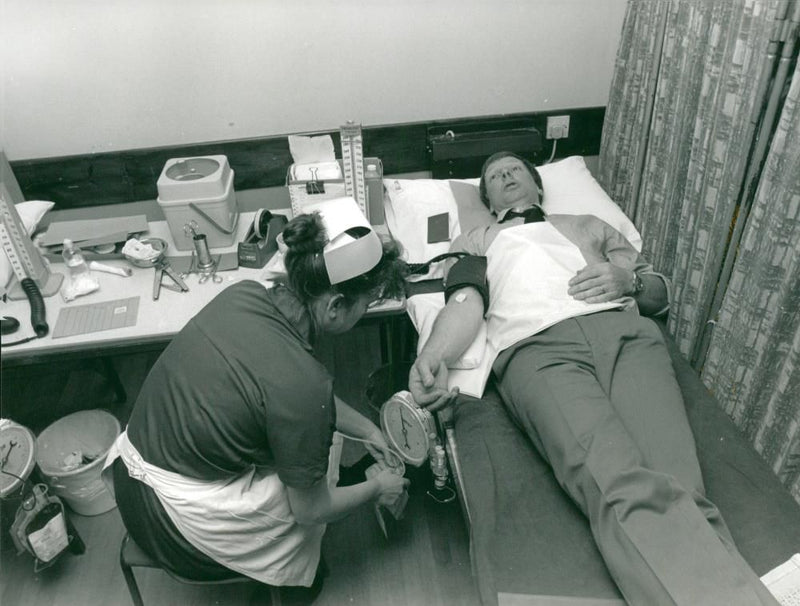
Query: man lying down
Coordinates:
[591,383]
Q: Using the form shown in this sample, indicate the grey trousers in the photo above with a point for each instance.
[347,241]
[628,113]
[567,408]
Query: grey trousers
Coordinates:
[597,395]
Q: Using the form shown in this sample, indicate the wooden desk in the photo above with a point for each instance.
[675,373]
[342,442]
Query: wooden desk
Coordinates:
[157,321]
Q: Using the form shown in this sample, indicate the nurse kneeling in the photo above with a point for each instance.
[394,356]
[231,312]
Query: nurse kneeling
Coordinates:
[223,466]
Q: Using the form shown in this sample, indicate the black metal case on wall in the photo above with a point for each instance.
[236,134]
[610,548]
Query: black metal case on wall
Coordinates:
[459,150]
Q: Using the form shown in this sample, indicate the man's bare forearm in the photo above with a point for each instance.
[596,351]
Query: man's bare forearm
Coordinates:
[456,326]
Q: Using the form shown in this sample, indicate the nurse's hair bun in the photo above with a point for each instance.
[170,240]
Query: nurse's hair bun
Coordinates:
[307,276]
[305,234]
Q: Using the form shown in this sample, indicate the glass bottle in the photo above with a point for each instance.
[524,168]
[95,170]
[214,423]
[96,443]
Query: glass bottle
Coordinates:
[73,259]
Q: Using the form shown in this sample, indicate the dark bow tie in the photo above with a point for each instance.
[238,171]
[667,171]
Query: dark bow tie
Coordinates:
[531,215]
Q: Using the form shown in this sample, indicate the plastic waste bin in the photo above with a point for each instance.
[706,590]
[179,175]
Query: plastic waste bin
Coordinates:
[70,454]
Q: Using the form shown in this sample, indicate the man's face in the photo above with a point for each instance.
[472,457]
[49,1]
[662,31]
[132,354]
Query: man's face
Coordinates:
[509,184]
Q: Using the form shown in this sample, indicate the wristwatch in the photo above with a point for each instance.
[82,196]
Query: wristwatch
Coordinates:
[638,284]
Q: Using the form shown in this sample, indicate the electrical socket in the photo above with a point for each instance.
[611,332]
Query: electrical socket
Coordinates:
[557,127]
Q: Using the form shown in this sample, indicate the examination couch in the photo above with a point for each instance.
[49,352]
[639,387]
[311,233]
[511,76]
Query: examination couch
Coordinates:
[527,537]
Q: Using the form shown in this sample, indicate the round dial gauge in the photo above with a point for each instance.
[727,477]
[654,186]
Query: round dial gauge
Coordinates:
[408,428]
[17,449]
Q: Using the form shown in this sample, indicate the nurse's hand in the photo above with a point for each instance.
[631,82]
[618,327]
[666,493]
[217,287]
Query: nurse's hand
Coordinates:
[391,486]
[377,446]
[427,383]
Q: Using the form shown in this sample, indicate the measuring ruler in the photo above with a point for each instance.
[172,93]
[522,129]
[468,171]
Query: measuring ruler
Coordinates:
[22,254]
[353,161]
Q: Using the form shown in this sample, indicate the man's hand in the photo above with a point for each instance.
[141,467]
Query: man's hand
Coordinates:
[427,383]
[600,283]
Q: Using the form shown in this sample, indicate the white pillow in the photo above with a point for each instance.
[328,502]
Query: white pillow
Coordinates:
[569,189]
[30,212]
[408,204]
[568,185]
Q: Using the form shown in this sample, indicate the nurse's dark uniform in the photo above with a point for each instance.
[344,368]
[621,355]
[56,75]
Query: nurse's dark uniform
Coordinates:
[235,410]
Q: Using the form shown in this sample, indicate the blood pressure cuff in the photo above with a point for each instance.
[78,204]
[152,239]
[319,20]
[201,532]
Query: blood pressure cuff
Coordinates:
[468,271]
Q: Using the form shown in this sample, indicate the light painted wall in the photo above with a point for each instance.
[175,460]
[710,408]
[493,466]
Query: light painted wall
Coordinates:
[86,76]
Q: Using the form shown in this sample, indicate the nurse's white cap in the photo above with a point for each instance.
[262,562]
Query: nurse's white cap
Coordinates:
[346,255]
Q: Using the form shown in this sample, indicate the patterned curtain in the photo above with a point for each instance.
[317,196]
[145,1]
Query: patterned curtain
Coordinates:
[752,362]
[623,146]
[681,154]
[675,158]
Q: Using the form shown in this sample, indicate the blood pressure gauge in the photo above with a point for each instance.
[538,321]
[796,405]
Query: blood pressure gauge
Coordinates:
[408,429]
[17,456]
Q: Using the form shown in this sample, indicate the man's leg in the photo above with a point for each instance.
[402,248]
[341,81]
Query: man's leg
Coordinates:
[645,394]
[658,546]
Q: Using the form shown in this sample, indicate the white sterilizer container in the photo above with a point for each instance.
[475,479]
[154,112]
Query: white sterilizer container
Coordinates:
[201,190]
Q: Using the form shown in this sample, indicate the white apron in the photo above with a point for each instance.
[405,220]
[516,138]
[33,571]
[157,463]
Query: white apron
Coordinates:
[528,270]
[244,523]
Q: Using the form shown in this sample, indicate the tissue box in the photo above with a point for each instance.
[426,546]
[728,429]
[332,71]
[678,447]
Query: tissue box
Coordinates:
[200,190]
[303,191]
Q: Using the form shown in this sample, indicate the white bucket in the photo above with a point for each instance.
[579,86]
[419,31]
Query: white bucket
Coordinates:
[62,452]
[199,190]
[215,217]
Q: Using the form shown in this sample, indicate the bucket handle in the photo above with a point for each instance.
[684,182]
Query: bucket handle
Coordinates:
[91,490]
[211,220]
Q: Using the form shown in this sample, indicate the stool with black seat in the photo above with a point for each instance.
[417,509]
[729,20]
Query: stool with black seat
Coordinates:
[132,556]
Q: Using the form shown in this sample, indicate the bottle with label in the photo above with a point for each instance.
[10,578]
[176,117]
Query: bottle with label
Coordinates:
[373,180]
[73,259]
[439,467]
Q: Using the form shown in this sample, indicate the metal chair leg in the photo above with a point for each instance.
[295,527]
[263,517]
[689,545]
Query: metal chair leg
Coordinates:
[130,578]
[137,558]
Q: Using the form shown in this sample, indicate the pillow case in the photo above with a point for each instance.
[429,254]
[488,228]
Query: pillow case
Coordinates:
[569,189]
[408,204]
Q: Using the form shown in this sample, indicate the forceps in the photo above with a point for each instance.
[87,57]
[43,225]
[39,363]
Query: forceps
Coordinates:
[161,268]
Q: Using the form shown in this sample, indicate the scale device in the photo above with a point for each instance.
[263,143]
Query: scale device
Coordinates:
[25,259]
[409,429]
[410,432]
[353,163]
[17,456]
[40,525]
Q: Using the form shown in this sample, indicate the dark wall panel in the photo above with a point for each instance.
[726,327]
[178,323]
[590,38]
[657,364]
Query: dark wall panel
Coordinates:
[130,176]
